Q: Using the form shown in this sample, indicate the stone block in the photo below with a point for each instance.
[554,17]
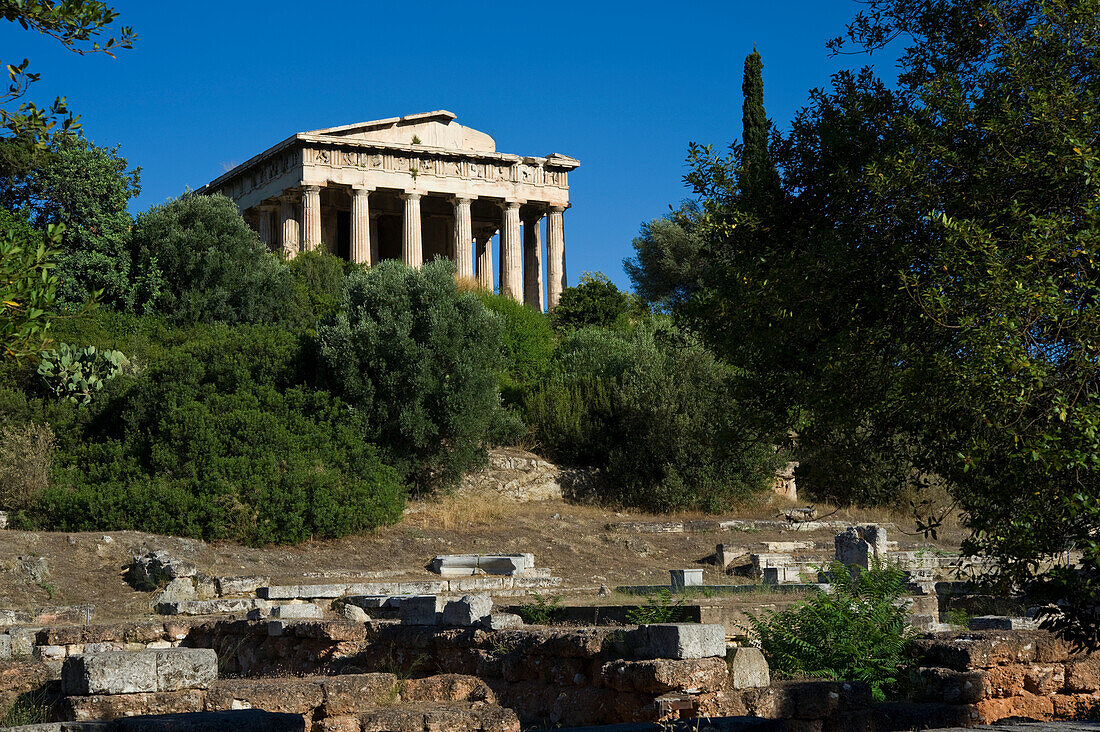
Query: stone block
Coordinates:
[781,575]
[953,687]
[682,640]
[297,611]
[109,673]
[464,565]
[727,554]
[468,584]
[178,590]
[852,550]
[220,606]
[662,675]
[501,621]
[155,569]
[747,668]
[422,610]
[467,611]
[5,647]
[786,547]
[22,641]
[290,695]
[681,578]
[280,592]
[1083,675]
[354,613]
[244,585]
[64,615]
[113,706]
[14,617]
[185,668]
[240,720]
[351,693]
[310,592]
[1001,622]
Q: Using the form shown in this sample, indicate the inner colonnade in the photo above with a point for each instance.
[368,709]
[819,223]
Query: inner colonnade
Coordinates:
[365,226]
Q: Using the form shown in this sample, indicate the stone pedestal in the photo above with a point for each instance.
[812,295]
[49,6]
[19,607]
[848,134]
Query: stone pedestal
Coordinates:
[464,236]
[555,255]
[311,218]
[511,264]
[412,245]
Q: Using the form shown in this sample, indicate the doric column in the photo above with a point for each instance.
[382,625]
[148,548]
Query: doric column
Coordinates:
[311,218]
[555,254]
[375,258]
[412,242]
[532,260]
[511,262]
[266,211]
[485,257]
[464,236]
[291,239]
[360,227]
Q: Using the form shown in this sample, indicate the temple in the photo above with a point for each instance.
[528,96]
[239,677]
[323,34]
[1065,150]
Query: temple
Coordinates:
[411,188]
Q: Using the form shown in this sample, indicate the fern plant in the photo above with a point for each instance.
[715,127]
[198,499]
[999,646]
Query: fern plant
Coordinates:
[855,631]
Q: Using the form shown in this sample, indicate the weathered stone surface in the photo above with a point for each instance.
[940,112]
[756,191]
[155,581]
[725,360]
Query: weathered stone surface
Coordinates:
[354,613]
[470,610]
[1027,706]
[185,668]
[422,610]
[459,565]
[109,673]
[953,687]
[351,693]
[220,606]
[455,716]
[251,720]
[1083,675]
[5,647]
[64,615]
[297,611]
[984,649]
[178,590]
[112,706]
[290,695]
[1001,622]
[681,578]
[155,569]
[243,585]
[727,554]
[658,676]
[446,688]
[682,640]
[502,621]
[748,668]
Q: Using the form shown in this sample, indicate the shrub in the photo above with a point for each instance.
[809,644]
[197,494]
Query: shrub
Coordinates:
[855,632]
[26,452]
[319,281]
[213,265]
[655,411]
[593,301]
[528,345]
[220,439]
[418,360]
[28,286]
[77,374]
[541,610]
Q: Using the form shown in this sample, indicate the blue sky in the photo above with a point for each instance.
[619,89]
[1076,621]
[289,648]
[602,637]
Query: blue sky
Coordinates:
[623,87]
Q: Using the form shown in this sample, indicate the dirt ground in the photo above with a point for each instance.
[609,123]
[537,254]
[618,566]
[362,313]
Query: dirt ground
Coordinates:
[577,542]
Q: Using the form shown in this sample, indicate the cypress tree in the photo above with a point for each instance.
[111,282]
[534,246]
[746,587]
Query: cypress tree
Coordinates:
[759,178]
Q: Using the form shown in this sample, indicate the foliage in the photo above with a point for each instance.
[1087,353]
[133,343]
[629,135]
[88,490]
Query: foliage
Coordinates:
[528,345]
[669,264]
[656,392]
[418,359]
[28,286]
[86,188]
[77,25]
[220,439]
[659,608]
[541,610]
[319,281]
[77,374]
[758,177]
[26,452]
[593,301]
[853,632]
[213,266]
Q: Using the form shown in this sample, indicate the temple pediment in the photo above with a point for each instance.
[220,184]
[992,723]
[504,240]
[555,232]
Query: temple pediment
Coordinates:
[430,129]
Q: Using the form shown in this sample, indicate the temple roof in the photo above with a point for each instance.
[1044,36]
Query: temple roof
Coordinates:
[431,129]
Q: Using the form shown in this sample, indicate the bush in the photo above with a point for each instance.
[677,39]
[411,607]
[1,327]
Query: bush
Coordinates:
[213,265]
[319,282]
[220,439]
[528,345]
[655,411]
[855,632]
[418,360]
[593,301]
[28,286]
[26,452]
[78,374]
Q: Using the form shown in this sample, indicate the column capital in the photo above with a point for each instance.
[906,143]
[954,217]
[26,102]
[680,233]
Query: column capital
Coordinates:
[463,200]
[361,190]
[557,209]
[409,196]
[535,215]
[511,204]
[266,206]
[310,188]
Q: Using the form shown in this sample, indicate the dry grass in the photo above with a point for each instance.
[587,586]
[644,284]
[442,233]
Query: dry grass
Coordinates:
[26,452]
[468,284]
[462,509]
